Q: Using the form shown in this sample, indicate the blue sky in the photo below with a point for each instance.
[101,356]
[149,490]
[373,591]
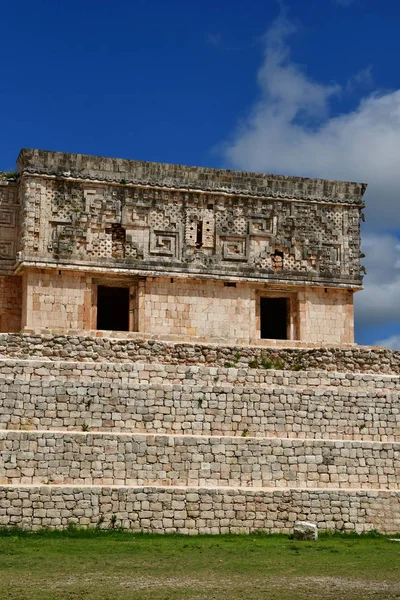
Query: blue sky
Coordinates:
[307,87]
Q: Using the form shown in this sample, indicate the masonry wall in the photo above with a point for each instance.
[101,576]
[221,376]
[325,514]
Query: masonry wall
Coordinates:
[243,360]
[243,449]
[270,228]
[326,315]
[82,458]
[56,300]
[10,303]
[200,308]
[148,398]
[9,223]
[210,309]
[185,308]
[192,511]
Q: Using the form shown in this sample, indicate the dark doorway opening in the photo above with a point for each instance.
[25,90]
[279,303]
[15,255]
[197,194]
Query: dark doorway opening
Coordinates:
[113,308]
[273,316]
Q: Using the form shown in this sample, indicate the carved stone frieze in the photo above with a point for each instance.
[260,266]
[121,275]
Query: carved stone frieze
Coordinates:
[7,249]
[161,227]
[7,217]
[9,222]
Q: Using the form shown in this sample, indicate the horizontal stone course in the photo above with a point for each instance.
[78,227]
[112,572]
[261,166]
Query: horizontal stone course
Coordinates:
[121,459]
[191,407]
[42,369]
[193,510]
[96,349]
[163,175]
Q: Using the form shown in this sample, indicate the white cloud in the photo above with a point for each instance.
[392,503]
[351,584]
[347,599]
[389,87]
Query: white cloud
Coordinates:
[362,78]
[380,301]
[290,130]
[392,342]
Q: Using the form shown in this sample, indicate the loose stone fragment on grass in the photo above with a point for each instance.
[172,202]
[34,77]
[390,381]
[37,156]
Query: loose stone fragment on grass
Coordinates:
[303,530]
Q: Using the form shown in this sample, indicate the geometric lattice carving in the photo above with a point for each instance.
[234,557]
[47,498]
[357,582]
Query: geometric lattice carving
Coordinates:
[7,250]
[102,247]
[135,217]
[234,248]
[260,227]
[7,217]
[164,243]
[204,228]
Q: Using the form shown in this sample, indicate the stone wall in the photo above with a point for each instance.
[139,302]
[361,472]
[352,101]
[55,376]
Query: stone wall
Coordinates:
[193,510]
[136,348]
[42,371]
[57,300]
[183,448]
[203,254]
[211,310]
[149,398]
[82,458]
[199,308]
[172,437]
[10,303]
[119,170]
[326,316]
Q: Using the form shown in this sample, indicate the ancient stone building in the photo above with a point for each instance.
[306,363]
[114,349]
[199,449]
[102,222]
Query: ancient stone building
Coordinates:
[173,252]
[177,354]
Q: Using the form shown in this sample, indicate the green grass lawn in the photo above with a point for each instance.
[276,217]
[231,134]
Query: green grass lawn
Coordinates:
[96,565]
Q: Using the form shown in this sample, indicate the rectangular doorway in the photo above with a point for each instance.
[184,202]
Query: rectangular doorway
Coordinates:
[113,308]
[274,318]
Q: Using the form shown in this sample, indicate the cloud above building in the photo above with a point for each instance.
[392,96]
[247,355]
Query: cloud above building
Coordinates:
[379,303]
[292,129]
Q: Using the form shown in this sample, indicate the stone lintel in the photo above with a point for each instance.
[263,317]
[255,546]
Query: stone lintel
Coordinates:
[143,271]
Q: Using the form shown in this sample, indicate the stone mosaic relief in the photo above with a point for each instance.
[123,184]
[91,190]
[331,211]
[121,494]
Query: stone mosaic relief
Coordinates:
[9,212]
[143,227]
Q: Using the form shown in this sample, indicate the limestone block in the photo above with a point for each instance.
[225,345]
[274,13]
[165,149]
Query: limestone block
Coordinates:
[304,530]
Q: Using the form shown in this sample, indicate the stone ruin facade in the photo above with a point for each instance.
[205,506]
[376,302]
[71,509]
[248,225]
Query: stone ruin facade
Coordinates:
[177,354]
[173,252]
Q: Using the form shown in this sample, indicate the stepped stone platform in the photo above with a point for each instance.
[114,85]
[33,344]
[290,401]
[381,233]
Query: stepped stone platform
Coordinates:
[160,440]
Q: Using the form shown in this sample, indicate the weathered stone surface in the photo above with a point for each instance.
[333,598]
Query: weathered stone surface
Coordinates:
[165,175]
[83,442]
[198,400]
[136,347]
[303,530]
[205,510]
[148,230]
[103,458]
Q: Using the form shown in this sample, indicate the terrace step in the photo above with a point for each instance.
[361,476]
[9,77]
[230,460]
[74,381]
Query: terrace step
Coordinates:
[143,372]
[131,347]
[190,510]
[191,409]
[37,457]
[199,446]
